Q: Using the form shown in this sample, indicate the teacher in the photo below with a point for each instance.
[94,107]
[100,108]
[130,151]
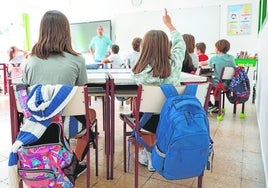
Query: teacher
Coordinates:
[99,45]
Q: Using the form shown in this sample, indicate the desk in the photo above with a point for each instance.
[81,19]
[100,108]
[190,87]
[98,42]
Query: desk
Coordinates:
[100,84]
[205,70]
[122,84]
[96,71]
[192,78]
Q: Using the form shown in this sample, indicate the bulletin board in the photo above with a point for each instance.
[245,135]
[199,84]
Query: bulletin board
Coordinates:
[239,19]
[202,22]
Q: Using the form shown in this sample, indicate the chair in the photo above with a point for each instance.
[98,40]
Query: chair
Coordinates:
[5,81]
[221,88]
[144,102]
[78,105]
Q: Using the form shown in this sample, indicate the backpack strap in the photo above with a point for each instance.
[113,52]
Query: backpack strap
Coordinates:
[190,89]
[142,142]
[143,120]
[169,90]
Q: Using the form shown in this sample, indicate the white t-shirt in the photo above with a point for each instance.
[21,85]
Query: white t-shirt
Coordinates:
[133,58]
[116,61]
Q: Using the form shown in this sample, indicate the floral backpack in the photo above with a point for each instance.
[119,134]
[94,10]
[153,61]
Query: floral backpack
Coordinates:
[49,162]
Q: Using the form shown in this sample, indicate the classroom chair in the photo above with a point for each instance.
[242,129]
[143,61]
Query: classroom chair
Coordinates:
[144,102]
[220,90]
[78,105]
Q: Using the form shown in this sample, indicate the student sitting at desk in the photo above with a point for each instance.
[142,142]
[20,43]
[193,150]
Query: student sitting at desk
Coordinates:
[187,65]
[190,45]
[159,63]
[220,60]
[135,54]
[53,61]
[200,50]
[16,58]
[114,58]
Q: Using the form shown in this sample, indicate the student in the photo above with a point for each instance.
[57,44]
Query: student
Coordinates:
[160,62]
[53,60]
[190,45]
[133,57]
[114,58]
[200,50]
[16,58]
[220,60]
[99,45]
[187,65]
[16,55]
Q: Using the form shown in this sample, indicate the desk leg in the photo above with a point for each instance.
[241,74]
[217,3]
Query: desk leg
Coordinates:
[112,131]
[5,79]
[107,131]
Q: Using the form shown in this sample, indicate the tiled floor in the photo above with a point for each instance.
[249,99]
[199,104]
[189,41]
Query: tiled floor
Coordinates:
[237,162]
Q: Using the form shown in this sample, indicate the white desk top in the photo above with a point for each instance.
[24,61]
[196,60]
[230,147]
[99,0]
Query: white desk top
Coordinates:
[123,76]
[96,78]
[186,77]
[89,71]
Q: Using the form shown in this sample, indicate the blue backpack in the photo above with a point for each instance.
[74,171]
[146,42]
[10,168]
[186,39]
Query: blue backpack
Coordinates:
[183,140]
[238,90]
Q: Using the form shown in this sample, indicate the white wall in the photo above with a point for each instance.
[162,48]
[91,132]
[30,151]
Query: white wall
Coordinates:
[85,11]
[262,99]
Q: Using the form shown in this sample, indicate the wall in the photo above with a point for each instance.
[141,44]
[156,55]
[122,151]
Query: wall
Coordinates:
[114,10]
[262,99]
[183,19]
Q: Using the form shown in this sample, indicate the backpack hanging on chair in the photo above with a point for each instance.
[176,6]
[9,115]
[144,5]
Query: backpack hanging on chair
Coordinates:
[238,90]
[49,162]
[183,140]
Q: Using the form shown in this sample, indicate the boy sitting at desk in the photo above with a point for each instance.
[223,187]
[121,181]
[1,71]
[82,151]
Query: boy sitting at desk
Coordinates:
[220,60]
[114,58]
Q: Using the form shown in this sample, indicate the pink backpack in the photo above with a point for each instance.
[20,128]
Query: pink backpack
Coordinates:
[49,162]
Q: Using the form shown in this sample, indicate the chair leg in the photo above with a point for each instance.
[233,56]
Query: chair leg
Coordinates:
[96,149]
[234,109]
[200,180]
[136,164]
[125,146]
[223,100]
[243,107]
[221,104]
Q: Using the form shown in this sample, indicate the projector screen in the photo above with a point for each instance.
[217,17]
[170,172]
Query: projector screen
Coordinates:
[83,32]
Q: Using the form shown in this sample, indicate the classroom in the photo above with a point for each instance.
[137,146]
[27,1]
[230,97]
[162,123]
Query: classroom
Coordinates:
[241,144]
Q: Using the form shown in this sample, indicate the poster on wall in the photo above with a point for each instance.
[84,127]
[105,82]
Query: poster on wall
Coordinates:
[239,19]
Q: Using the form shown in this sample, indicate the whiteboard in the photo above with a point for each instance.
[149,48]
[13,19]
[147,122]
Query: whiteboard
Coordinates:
[202,22]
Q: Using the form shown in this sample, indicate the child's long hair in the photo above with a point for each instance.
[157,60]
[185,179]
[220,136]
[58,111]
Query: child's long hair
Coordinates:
[190,42]
[187,65]
[155,51]
[54,36]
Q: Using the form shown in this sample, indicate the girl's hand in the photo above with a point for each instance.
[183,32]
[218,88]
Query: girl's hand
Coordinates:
[166,18]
